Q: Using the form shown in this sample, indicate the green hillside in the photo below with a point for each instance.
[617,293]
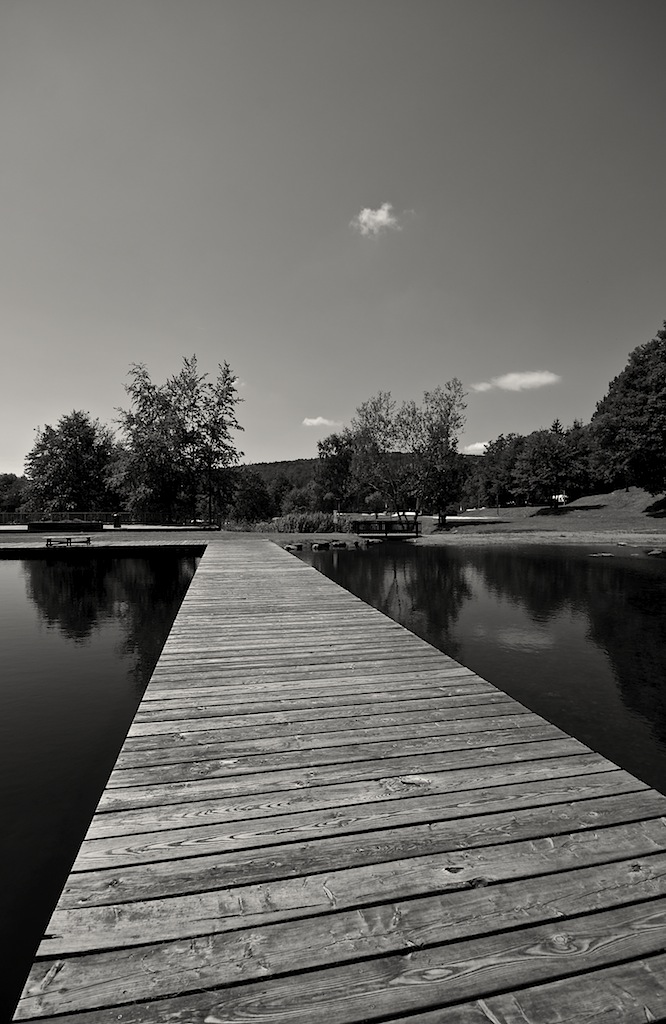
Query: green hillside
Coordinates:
[630,510]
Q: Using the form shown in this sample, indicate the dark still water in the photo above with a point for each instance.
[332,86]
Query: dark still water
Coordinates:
[79,638]
[577,636]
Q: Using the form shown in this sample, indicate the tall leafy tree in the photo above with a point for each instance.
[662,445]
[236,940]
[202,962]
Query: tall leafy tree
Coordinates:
[68,467]
[499,464]
[178,441]
[540,467]
[12,491]
[335,471]
[308,498]
[278,489]
[629,424]
[405,452]
[579,475]
[252,499]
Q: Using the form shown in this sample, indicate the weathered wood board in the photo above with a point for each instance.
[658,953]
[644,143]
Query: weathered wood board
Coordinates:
[317,817]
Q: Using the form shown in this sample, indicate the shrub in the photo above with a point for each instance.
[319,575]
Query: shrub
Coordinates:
[311,522]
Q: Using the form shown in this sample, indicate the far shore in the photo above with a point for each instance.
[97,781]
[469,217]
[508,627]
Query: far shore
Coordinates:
[623,519]
[458,538]
[645,542]
[594,538]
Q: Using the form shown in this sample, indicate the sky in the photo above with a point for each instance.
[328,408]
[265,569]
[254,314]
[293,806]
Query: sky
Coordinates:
[335,197]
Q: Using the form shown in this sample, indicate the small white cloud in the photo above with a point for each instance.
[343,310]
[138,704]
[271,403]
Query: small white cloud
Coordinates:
[373,222]
[525,380]
[319,421]
[477,448]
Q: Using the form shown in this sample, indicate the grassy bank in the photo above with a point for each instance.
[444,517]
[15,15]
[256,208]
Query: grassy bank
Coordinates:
[631,517]
[632,510]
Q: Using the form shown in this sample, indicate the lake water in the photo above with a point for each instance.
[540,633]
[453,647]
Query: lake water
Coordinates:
[79,637]
[577,635]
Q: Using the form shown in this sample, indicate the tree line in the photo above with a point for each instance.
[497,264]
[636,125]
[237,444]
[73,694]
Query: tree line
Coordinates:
[407,457]
[167,462]
[173,457]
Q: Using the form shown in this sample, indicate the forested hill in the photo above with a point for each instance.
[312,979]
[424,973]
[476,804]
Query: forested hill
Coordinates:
[299,472]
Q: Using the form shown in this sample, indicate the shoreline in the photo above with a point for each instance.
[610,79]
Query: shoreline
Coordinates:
[457,536]
[615,538]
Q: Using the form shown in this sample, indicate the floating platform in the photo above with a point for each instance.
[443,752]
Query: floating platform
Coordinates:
[316,817]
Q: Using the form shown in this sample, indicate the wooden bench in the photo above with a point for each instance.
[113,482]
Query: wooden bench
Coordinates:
[52,542]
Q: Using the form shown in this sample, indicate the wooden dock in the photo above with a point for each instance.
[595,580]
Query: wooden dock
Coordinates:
[386,528]
[318,818]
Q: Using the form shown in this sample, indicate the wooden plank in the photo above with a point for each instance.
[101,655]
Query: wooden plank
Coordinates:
[234,908]
[245,762]
[287,859]
[185,744]
[322,709]
[459,784]
[235,648]
[622,994]
[400,684]
[390,984]
[117,797]
[268,675]
[302,677]
[194,838]
[221,728]
[94,980]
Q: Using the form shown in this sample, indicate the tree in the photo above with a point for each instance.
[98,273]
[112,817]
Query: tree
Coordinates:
[499,463]
[278,489]
[178,442]
[579,475]
[629,424]
[374,502]
[12,491]
[540,467]
[335,472]
[68,466]
[475,489]
[252,500]
[405,452]
[308,498]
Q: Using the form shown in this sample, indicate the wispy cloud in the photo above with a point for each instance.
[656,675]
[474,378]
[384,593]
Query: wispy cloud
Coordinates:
[374,222]
[319,421]
[525,380]
[477,448]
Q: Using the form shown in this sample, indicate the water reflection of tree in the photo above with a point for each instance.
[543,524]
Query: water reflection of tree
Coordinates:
[142,594]
[623,605]
[619,599]
[544,583]
[70,596]
[417,587]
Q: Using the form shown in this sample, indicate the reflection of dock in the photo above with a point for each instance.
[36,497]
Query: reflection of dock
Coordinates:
[317,817]
[386,527]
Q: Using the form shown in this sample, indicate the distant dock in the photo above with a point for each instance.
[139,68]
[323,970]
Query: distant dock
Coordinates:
[316,817]
[386,527]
